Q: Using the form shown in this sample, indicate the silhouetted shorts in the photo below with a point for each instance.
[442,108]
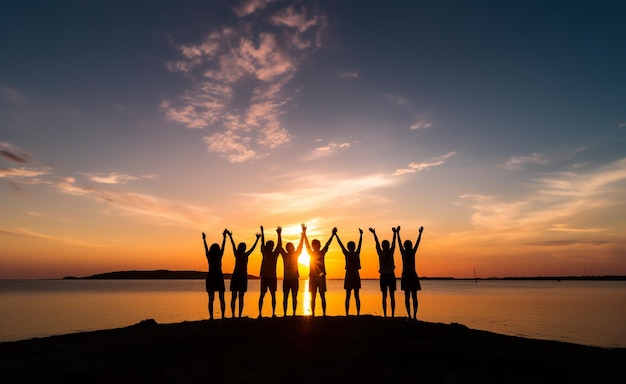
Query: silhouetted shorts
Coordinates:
[410,282]
[239,282]
[317,283]
[352,280]
[291,284]
[388,280]
[268,283]
[215,282]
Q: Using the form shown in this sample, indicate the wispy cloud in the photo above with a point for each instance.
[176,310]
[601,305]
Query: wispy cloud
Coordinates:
[396,99]
[416,167]
[114,177]
[11,95]
[518,162]
[15,154]
[23,232]
[569,243]
[247,7]
[23,172]
[119,108]
[240,72]
[349,74]
[591,182]
[28,174]
[325,150]
[326,192]
[567,228]
[553,199]
[421,123]
[157,210]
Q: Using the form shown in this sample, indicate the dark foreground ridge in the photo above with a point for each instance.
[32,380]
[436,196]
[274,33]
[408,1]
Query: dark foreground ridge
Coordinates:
[365,349]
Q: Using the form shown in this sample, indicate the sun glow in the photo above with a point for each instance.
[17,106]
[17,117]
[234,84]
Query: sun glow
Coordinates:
[292,233]
[304,258]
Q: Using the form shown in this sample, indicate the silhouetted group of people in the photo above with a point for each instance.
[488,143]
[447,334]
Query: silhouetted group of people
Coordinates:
[270,252]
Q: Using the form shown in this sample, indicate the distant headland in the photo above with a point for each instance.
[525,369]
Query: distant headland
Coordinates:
[163,274]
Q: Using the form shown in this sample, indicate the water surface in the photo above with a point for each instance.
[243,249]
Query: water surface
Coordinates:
[583,312]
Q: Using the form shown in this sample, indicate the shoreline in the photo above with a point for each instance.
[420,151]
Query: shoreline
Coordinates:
[368,348]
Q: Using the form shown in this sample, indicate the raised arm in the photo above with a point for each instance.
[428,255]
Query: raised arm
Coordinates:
[253,245]
[279,243]
[340,243]
[299,249]
[393,242]
[378,249]
[306,240]
[223,241]
[232,242]
[330,239]
[358,247]
[419,238]
[399,240]
[206,249]
[279,248]
[262,238]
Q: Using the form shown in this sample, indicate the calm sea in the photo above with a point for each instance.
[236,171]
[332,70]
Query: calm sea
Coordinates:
[582,312]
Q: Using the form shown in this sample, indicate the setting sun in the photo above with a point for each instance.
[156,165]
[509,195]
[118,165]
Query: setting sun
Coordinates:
[304,258]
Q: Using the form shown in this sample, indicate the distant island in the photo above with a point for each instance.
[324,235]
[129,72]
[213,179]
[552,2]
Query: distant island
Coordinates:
[163,274]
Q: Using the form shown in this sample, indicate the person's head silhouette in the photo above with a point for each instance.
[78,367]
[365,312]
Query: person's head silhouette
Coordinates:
[408,244]
[385,244]
[315,244]
[215,248]
[241,247]
[351,246]
[290,247]
[269,245]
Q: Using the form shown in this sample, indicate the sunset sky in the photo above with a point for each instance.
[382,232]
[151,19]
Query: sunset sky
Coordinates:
[127,128]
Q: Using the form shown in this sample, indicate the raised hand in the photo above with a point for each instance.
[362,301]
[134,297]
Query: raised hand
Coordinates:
[360,231]
[203,236]
[258,235]
[279,230]
[374,231]
[334,230]
[421,229]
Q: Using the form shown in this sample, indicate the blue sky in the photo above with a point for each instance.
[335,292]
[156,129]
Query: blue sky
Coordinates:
[128,127]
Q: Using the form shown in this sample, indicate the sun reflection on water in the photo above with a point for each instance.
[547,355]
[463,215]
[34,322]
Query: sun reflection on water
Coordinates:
[307,299]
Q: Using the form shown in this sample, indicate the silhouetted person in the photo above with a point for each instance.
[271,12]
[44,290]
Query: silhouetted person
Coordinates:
[215,278]
[268,269]
[239,279]
[291,275]
[409,282]
[386,268]
[352,281]
[317,268]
